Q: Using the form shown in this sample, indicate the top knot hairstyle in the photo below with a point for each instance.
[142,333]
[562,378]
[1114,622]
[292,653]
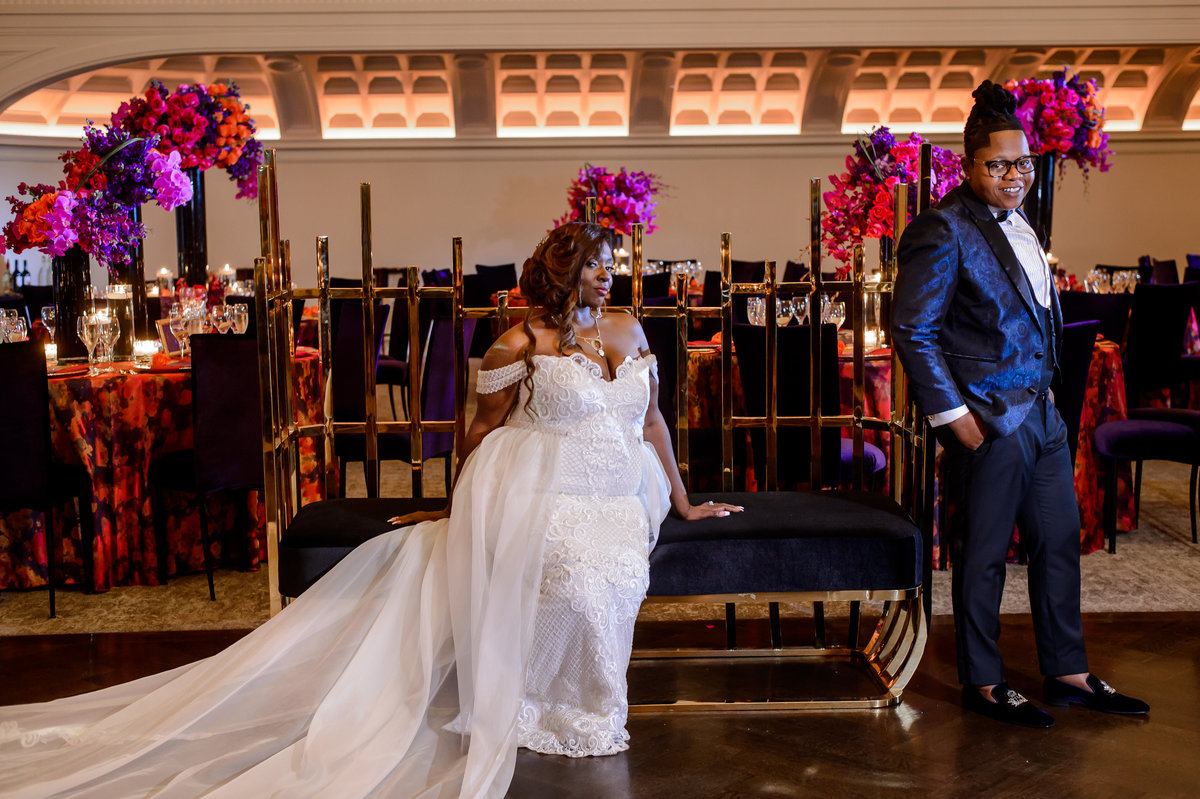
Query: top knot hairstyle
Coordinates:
[550,281]
[995,109]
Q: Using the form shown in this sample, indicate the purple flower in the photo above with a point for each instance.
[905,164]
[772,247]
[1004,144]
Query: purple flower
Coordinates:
[62,234]
[172,187]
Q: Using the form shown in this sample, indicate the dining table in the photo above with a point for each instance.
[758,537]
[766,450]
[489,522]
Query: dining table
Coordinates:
[115,423]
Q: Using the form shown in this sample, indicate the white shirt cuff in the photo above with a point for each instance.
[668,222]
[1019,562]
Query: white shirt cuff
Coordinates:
[946,417]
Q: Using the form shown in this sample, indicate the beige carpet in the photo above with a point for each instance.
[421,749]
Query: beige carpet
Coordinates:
[1156,568]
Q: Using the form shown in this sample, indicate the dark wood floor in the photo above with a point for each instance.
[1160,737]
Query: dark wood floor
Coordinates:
[927,745]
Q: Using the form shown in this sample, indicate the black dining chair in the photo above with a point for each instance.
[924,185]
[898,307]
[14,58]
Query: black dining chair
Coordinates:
[1110,310]
[37,298]
[793,356]
[32,478]
[794,271]
[1153,362]
[392,370]
[1161,272]
[226,452]
[477,293]
[1070,384]
[662,338]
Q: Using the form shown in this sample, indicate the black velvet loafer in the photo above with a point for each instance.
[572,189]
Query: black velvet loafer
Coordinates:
[1102,697]
[1009,707]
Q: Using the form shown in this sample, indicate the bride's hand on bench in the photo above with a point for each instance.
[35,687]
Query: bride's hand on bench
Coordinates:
[419,516]
[708,509]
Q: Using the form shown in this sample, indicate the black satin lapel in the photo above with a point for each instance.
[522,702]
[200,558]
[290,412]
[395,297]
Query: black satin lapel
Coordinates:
[1012,267]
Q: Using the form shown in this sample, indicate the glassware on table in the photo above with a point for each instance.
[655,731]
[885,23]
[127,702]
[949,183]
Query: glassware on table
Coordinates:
[219,318]
[177,316]
[756,311]
[108,330]
[240,316]
[785,309]
[85,327]
[837,313]
[48,319]
[800,309]
[13,328]
[119,299]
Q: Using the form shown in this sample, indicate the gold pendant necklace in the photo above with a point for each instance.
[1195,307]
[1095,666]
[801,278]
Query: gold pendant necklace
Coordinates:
[595,342]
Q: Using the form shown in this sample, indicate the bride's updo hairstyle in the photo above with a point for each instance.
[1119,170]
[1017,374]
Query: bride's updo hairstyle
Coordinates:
[995,109]
[550,281]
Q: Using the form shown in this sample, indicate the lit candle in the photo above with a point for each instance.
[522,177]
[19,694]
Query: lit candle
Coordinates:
[870,338]
[144,350]
[51,352]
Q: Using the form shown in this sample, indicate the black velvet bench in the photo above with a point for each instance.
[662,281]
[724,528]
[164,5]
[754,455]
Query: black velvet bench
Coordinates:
[796,547]
[322,533]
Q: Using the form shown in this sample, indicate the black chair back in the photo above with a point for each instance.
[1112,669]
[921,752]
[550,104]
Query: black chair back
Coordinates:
[1161,272]
[1110,310]
[793,357]
[1154,353]
[16,302]
[794,271]
[398,333]
[1191,274]
[346,362]
[661,336]
[37,298]
[748,271]
[658,285]
[1078,343]
[24,426]
[437,383]
[493,278]
[227,412]
[251,315]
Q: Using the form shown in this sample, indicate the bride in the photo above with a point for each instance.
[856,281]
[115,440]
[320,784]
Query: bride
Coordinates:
[419,664]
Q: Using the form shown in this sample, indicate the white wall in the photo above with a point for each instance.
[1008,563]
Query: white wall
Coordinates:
[501,199]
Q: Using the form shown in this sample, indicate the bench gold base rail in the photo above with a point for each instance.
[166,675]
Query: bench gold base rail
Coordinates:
[890,656]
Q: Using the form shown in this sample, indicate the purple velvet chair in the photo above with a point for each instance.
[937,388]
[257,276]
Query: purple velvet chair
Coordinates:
[1110,310]
[1153,360]
[30,477]
[226,453]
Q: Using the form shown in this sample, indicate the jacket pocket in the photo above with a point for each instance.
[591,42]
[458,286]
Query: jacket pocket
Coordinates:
[965,357]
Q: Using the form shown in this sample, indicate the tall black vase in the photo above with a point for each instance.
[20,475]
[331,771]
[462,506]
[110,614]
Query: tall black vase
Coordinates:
[191,233]
[72,276]
[1039,203]
[134,273]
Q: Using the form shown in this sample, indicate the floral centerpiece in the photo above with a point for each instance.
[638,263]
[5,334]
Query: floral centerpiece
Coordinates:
[1062,115]
[207,125]
[859,206]
[106,179]
[622,199]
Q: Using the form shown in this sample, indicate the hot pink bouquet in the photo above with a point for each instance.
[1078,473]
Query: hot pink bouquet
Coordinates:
[1063,115]
[859,206]
[622,199]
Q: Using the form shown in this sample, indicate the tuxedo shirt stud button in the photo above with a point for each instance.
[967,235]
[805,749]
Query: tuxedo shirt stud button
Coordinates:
[1038,356]
[1032,390]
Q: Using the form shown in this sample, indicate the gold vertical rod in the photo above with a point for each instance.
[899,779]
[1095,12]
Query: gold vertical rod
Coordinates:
[325,349]
[858,330]
[636,261]
[726,362]
[589,210]
[460,359]
[771,481]
[415,378]
[287,384]
[681,395]
[925,194]
[898,456]
[371,461]
[269,158]
[269,424]
[815,329]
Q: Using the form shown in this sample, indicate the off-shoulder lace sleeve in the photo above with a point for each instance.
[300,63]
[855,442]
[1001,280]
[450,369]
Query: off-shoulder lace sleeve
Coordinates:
[489,381]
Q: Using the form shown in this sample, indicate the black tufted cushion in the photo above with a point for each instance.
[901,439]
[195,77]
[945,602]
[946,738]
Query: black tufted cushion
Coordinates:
[789,541]
[325,532]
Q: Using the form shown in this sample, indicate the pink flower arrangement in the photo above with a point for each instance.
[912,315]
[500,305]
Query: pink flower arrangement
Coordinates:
[859,206]
[1063,115]
[622,199]
[207,125]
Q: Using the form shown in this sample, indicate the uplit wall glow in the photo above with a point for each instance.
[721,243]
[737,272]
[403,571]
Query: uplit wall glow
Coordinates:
[740,93]
[555,95]
[383,96]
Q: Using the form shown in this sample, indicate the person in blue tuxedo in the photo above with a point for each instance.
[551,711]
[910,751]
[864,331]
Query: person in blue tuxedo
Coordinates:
[977,326]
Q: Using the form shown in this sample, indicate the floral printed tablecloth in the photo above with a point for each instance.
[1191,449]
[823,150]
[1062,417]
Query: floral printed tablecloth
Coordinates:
[115,424]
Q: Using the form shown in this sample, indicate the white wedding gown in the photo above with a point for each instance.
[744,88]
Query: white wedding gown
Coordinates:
[419,664]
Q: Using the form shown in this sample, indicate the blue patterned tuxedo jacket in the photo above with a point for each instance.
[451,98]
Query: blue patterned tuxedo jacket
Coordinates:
[964,320]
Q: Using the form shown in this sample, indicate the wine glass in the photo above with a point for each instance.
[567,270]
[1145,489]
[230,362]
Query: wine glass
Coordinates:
[178,323]
[800,309]
[85,327]
[837,313]
[756,311]
[784,310]
[218,317]
[240,315]
[108,328]
[48,319]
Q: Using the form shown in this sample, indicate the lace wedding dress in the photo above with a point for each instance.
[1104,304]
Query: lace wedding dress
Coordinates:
[420,663]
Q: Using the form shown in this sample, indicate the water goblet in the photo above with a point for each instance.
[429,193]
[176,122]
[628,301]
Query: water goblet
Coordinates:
[108,329]
[85,327]
[800,308]
[756,311]
[784,310]
[18,330]
[240,315]
[48,319]
[837,313]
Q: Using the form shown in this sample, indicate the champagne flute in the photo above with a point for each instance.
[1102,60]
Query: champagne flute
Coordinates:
[241,318]
[85,327]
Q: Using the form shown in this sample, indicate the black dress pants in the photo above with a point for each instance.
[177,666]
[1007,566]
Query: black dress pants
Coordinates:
[1024,478]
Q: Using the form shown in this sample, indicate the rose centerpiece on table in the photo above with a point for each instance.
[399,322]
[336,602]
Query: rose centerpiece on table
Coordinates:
[623,199]
[1062,116]
[206,124]
[860,206]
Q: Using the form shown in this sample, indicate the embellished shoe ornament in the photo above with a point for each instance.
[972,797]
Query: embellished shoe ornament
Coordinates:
[1010,707]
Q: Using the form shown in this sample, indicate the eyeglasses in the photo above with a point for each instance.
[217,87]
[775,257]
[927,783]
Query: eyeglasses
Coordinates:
[998,169]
